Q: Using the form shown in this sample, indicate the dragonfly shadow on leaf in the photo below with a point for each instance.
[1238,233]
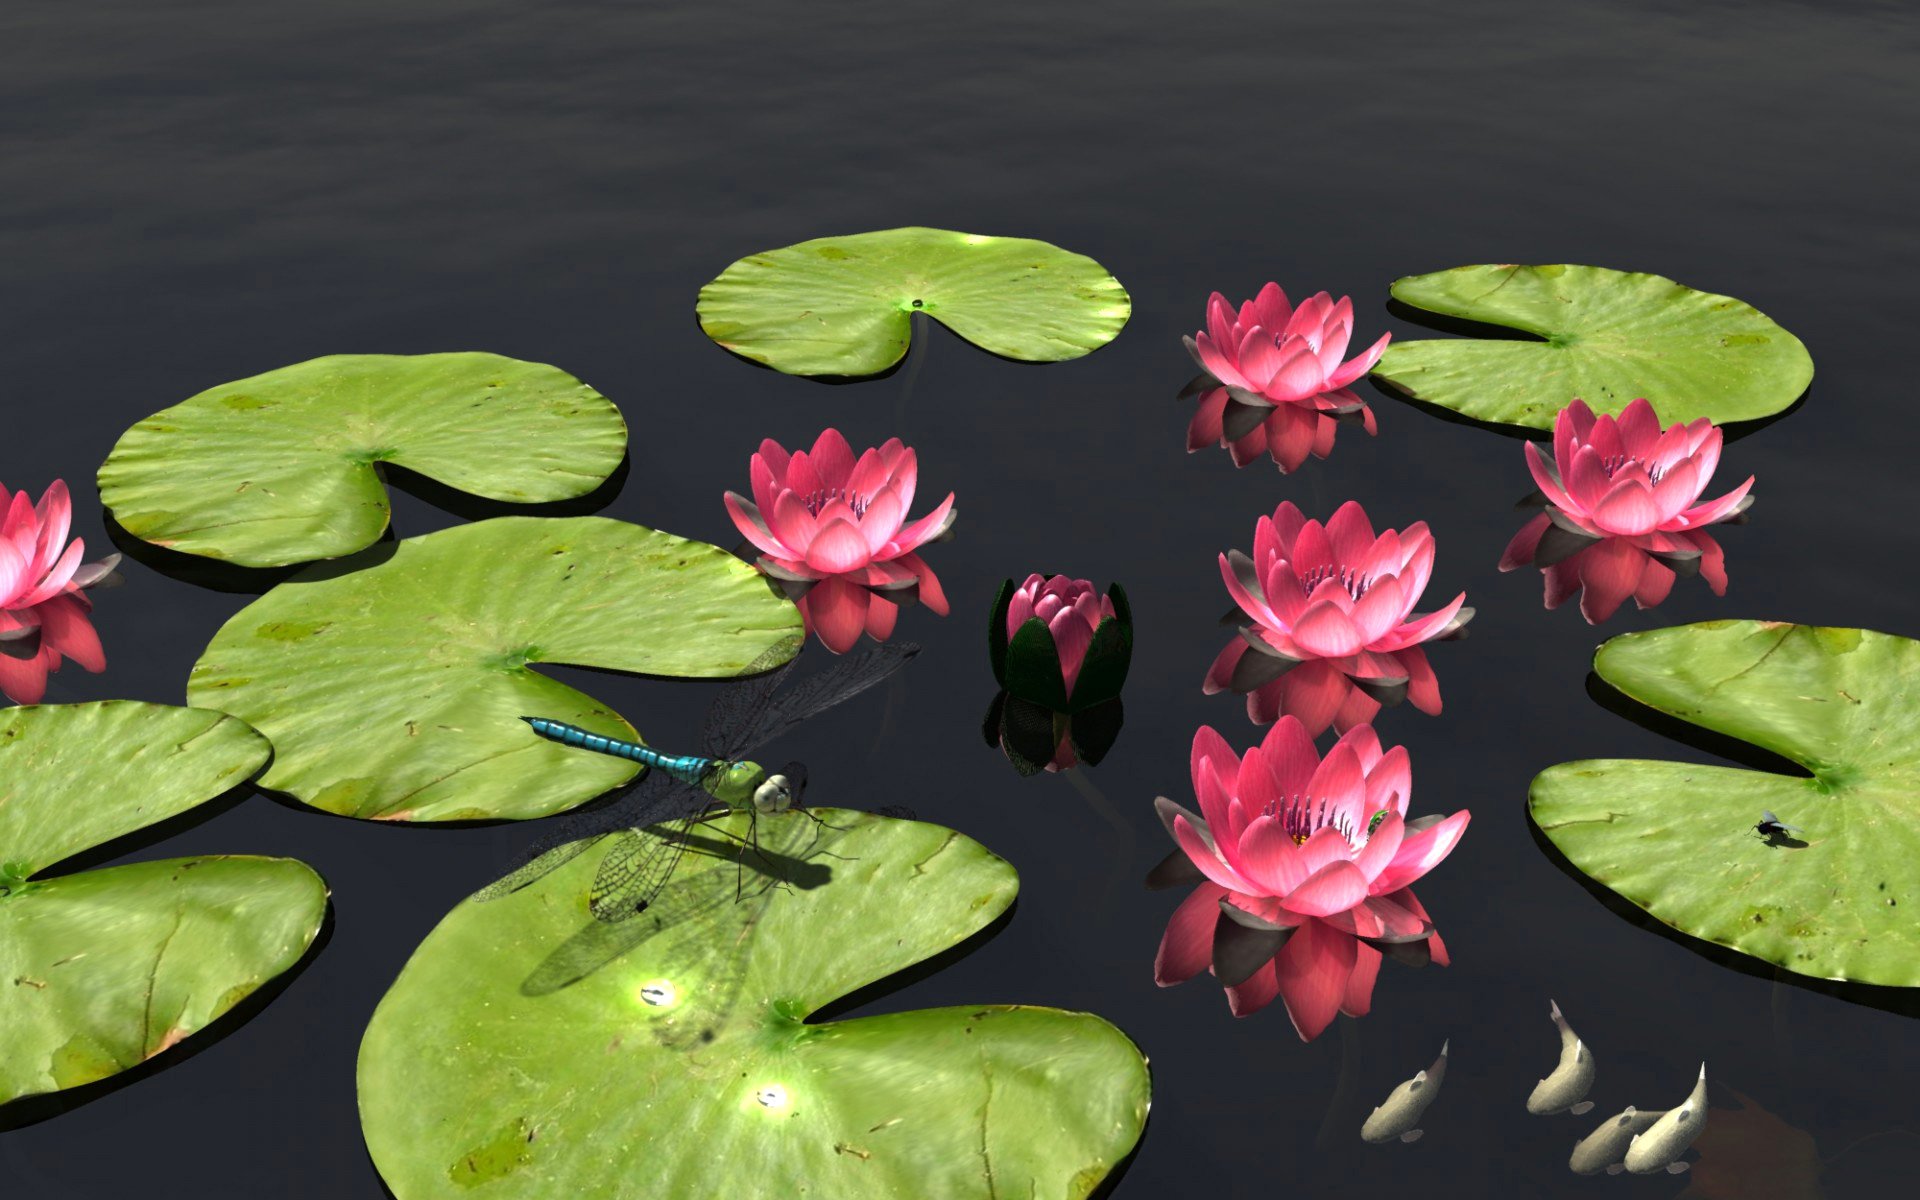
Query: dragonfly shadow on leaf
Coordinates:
[741,882]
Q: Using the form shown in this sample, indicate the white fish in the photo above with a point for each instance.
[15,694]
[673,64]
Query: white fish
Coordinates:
[1566,1089]
[1399,1114]
[1660,1147]
[1602,1149]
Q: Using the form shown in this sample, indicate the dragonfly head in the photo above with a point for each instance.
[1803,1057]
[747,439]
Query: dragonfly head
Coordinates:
[781,790]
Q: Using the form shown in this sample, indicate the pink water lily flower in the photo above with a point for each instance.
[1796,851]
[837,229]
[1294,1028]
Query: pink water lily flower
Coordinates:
[1273,381]
[832,532]
[1331,632]
[1623,510]
[1307,865]
[43,615]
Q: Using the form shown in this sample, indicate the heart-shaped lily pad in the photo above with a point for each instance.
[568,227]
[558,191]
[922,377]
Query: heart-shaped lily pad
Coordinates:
[395,690]
[279,468]
[1609,337]
[102,970]
[670,1055]
[1834,899]
[845,305]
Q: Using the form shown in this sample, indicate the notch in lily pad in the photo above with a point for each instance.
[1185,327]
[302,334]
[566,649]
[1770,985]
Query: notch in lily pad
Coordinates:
[283,468]
[394,690]
[105,969]
[1604,336]
[1679,839]
[844,306]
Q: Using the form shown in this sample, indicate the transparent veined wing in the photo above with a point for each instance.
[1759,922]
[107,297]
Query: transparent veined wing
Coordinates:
[741,704]
[847,677]
[656,799]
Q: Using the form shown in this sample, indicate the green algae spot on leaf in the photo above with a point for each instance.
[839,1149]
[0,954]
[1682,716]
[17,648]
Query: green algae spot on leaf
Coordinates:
[280,468]
[672,1055]
[103,969]
[1606,337]
[393,690]
[845,305]
[1838,900]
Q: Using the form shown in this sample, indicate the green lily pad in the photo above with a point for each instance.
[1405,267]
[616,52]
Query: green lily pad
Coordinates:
[280,468]
[527,1044]
[394,690]
[102,970]
[1834,901]
[1609,338]
[845,305]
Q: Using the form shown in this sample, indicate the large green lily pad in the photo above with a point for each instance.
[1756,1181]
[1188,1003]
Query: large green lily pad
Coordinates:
[392,684]
[529,1046]
[280,468]
[102,970]
[1610,337]
[1835,901]
[845,305]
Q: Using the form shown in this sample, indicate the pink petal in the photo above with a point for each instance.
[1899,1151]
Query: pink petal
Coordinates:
[1390,782]
[1382,846]
[1312,692]
[1271,307]
[1350,533]
[881,521]
[1520,551]
[930,594]
[1296,378]
[1334,888]
[1713,562]
[1290,756]
[1609,572]
[1258,357]
[882,613]
[1628,508]
[1339,783]
[836,611]
[1205,858]
[1423,687]
[1639,429]
[1291,431]
[1357,367]
[1356,710]
[1260,990]
[1717,510]
[1655,583]
[790,523]
[1326,631]
[751,528]
[1186,948]
[1420,852]
[915,534]
[1205,427]
[837,548]
[1586,480]
[1544,477]
[1358,1000]
[1071,637]
[1421,628]
[1268,857]
[1220,674]
[1312,971]
[832,459]
[1379,610]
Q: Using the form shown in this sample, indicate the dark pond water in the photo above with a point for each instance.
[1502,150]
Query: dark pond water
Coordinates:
[196,192]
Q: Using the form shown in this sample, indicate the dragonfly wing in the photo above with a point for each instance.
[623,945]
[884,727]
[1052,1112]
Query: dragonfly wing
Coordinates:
[740,706]
[537,868]
[845,679]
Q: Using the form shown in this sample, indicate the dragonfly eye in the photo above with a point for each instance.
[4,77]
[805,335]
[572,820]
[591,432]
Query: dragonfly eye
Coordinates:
[773,796]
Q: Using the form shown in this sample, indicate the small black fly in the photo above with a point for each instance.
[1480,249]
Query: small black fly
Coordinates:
[1773,828]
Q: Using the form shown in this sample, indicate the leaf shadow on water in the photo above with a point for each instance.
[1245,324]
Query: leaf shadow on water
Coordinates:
[1733,431]
[31,1110]
[217,576]
[470,507]
[1897,1000]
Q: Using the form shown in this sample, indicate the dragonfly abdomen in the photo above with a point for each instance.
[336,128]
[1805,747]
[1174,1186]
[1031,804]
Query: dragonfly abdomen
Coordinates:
[687,767]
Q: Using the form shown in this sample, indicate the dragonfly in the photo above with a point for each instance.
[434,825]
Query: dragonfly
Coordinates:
[683,791]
